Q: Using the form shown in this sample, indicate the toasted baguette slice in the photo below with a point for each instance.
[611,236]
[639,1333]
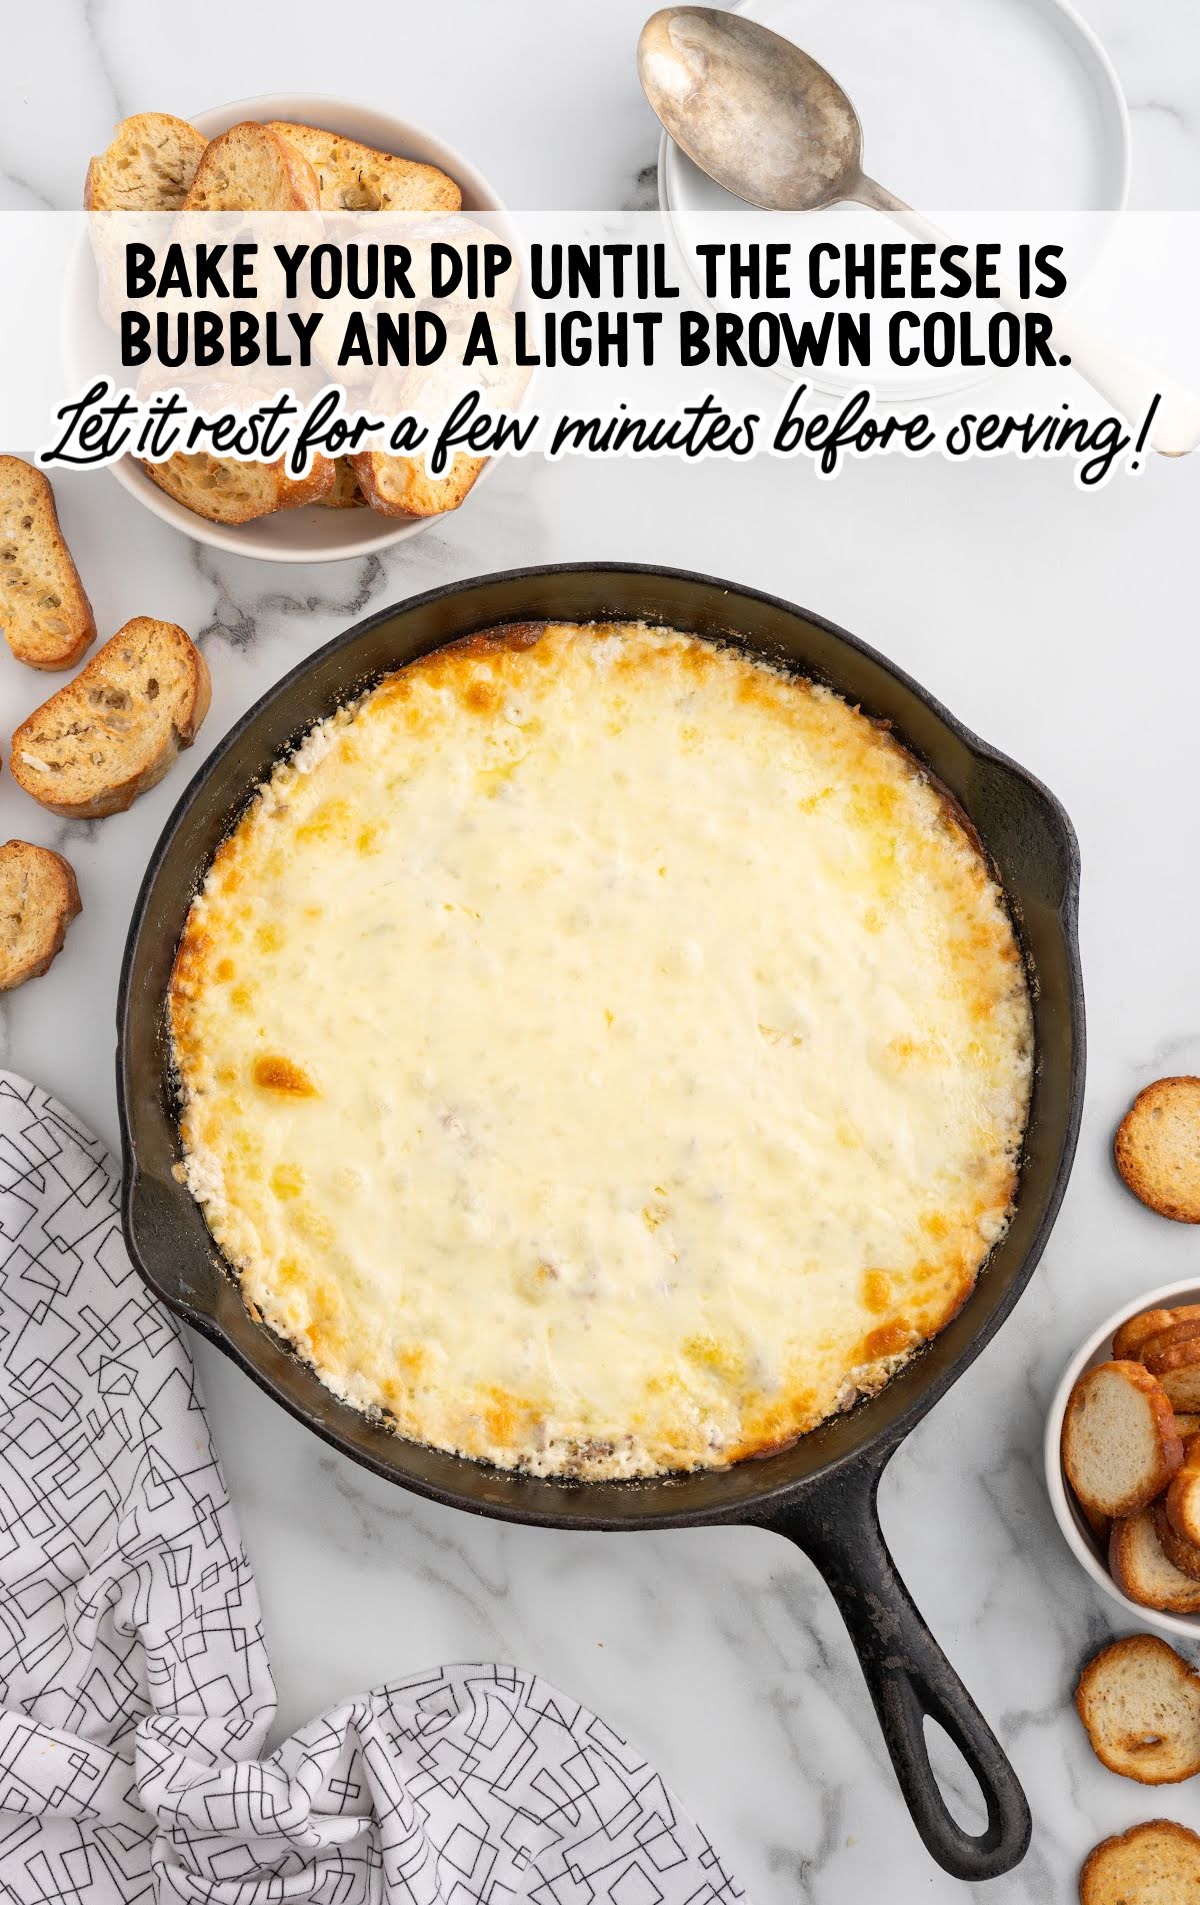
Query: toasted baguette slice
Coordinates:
[247,169]
[1144,1573]
[1183,1388]
[226,491]
[46,617]
[402,486]
[114,731]
[1180,1552]
[38,900]
[1158,1148]
[148,165]
[358,178]
[1127,1341]
[1186,1427]
[1156,1351]
[1157,1863]
[1140,1704]
[250,169]
[1182,1499]
[345,491]
[1177,1366]
[1119,1445]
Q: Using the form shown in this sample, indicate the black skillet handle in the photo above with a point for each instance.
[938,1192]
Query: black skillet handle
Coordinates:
[178,1272]
[836,1522]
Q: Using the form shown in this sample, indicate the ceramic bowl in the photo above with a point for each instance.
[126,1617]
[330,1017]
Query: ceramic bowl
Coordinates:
[313,534]
[1079,1538]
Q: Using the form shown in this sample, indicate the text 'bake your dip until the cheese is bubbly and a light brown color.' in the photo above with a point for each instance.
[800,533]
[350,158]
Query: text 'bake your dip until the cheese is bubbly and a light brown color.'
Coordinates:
[601,1053]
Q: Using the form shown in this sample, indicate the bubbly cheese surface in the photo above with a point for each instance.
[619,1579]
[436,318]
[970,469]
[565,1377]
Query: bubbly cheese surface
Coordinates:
[601,1053]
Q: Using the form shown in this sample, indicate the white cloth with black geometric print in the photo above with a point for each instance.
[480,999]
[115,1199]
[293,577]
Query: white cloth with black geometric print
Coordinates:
[135,1689]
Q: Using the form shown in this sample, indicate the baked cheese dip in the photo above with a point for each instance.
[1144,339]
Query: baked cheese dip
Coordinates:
[600,1053]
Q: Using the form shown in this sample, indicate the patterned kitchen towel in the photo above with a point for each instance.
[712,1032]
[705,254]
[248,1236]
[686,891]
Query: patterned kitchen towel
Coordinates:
[135,1687]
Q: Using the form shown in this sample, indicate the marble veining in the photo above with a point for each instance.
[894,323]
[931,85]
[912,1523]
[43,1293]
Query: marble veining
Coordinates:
[1061,626]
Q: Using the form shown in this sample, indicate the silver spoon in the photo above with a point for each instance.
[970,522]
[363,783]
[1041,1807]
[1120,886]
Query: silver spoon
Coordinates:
[766,122]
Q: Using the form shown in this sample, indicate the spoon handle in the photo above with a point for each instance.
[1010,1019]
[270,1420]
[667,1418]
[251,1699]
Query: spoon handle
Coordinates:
[1127,385]
[870,192]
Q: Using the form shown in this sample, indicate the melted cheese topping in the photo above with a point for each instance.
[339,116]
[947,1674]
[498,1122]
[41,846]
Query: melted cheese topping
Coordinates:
[600,1053]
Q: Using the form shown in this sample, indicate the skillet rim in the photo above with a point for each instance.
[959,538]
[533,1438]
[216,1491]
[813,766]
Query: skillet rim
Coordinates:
[648,1504]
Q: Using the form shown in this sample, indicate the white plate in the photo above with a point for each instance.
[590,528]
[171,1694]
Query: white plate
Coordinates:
[1079,1537]
[985,105]
[312,534]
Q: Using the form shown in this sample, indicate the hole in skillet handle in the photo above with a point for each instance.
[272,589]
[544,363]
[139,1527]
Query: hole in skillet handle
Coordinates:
[954,1776]
[836,1523]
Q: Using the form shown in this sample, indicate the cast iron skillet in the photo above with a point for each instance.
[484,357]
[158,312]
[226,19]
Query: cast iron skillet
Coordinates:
[820,1493]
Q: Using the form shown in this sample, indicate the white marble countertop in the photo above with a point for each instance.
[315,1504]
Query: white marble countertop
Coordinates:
[1061,626]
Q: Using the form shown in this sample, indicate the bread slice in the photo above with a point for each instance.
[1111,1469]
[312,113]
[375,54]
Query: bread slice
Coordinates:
[1158,1148]
[1156,1347]
[46,617]
[1180,1552]
[358,178]
[345,492]
[226,491]
[114,731]
[38,900]
[1127,1341]
[148,165]
[1182,1499]
[1119,1445]
[402,485]
[1157,1863]
[1177,1366]
[1182,1387]
[250,169]
[1186,1426]
[1140,1704]
[247,169]
[1144,1573]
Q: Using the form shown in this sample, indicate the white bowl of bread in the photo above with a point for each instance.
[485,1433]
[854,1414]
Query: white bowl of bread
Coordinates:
[1122,1455]
[307,150]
